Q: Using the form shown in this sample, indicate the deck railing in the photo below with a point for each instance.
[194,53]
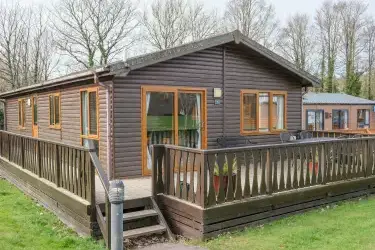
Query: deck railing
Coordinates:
[66,166]
[211,177]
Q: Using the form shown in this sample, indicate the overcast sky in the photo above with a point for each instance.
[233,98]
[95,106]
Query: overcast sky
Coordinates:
[284,8]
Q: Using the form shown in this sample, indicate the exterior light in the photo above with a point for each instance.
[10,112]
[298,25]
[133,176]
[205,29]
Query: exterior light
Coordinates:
[218,93]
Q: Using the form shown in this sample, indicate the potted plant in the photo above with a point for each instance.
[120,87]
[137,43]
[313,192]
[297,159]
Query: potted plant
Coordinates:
[225,176]
[316,165]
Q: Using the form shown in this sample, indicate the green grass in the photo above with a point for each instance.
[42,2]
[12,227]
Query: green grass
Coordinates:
[350,225]
[26,225]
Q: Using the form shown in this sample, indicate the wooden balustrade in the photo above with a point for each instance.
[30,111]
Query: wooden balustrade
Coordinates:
[68,167]
[211,177]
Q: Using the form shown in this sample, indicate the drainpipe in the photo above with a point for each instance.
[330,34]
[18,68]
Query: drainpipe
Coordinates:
[108,88]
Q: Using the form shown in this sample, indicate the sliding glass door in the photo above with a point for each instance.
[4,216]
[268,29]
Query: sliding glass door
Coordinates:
[315,120]
[171,116]
[340,119]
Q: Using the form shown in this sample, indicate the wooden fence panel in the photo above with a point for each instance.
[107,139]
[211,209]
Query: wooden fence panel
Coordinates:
[66,166]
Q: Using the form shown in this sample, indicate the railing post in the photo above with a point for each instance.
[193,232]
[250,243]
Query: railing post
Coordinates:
[167,170]
[22,153]
[58,165]
[203,180]
[39,160]
[116,198]
[269,171]
[156,168]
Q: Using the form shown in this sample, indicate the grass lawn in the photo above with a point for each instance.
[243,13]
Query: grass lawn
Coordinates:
[350,225]
[26,225]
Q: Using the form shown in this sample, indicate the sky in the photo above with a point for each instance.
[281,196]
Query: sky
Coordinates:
[284,8]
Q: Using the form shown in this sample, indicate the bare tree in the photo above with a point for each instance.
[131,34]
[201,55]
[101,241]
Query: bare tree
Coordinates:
[296,41]
[26,48]
[202,24]
[328,25]
[352,15]
[370,52]
[170,23]
[94,31]
[254,18]
[166,25]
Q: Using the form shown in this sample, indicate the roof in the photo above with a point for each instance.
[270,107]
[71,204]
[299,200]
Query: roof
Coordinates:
[148,59]
[334,98]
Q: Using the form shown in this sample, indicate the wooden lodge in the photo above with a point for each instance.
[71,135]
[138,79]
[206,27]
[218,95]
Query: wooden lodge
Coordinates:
[204,120]
[337,111]
[129,106]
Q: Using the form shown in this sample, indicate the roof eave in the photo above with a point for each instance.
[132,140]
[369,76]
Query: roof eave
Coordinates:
[56,82]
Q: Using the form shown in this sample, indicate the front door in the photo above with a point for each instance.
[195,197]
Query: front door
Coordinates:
[172,116]
[34,116]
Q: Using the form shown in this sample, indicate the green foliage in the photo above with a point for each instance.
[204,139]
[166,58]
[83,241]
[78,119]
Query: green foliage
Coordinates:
[354,84]
[26,225]
[347,226]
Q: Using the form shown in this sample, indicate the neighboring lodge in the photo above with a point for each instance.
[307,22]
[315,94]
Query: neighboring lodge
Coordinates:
[336,111]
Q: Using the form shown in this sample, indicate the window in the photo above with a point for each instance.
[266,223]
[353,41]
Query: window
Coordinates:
[54,111]
[21,113]
[363,118]
[340,119]
[263,111]
[315,120]
[89,116]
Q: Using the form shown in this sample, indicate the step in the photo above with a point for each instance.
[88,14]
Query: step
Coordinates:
[139,214]
[144,231]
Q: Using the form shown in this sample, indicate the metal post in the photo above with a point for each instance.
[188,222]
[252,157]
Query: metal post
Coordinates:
[116,198]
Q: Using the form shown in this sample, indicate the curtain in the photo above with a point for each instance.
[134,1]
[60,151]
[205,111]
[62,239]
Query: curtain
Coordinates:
[84,107]
[280,112]
[345,121]
[149,157]
[199,120]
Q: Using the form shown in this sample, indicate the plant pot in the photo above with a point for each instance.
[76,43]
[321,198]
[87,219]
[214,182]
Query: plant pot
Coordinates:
[225,182]
[316,166]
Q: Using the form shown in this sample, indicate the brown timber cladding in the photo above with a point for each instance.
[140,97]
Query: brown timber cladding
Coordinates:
[229,67]
[70,118]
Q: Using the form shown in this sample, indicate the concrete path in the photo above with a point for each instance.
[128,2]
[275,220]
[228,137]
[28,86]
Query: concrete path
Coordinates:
[170,246]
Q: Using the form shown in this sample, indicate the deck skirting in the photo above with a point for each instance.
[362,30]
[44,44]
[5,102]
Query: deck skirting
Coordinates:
[71,209]
[194,222]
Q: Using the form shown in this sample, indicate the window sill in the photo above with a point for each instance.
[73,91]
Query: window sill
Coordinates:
[55,127]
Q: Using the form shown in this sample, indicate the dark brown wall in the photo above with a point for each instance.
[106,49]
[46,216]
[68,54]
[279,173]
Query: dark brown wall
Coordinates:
[70,117]
[202,69]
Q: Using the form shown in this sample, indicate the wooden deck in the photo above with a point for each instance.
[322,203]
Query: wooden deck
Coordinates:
[269,181]
[134,189]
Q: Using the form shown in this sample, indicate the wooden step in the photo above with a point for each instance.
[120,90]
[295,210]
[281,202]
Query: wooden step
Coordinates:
[139,214]
[144,231]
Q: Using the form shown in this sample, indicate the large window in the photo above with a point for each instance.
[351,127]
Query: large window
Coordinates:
[263,111]
[340,119]
[363,118]
[54,111]
[21,113]
[89,116]
[315,120]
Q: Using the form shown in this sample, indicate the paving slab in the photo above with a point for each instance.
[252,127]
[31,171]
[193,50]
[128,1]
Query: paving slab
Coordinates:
[170,246]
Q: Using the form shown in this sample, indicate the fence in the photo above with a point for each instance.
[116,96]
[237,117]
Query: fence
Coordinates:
[211,177]
[67,166]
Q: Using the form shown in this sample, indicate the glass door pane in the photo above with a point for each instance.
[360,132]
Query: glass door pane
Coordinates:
[190,119]
[160,120]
